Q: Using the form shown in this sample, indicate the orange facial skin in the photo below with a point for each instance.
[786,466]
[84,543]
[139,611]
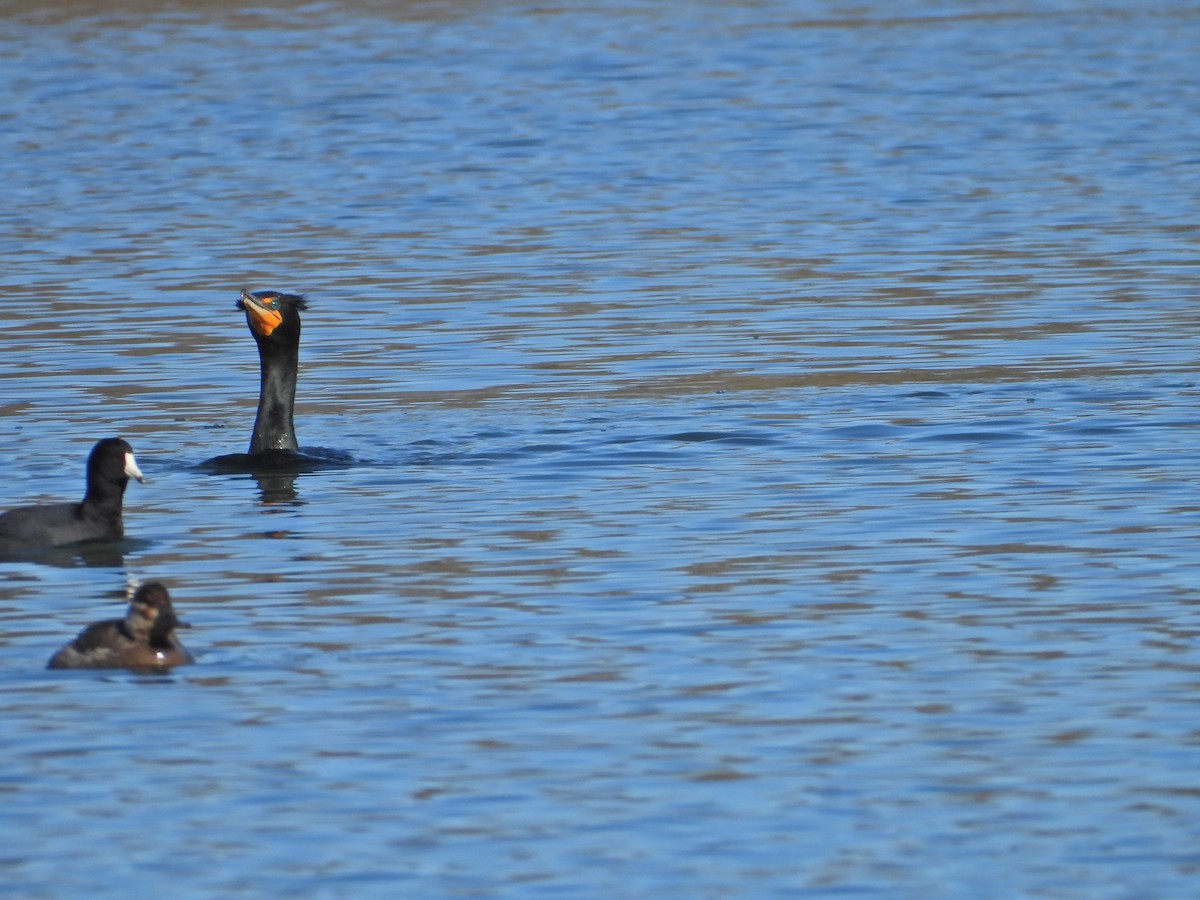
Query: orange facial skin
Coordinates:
[262,319]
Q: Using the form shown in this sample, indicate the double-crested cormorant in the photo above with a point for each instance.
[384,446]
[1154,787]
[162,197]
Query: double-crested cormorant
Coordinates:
[97,518]
[144,639]
[274,320]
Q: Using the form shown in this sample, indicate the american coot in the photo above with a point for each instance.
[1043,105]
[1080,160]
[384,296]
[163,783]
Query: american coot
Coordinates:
[274,320]
[144,639]
[97,518]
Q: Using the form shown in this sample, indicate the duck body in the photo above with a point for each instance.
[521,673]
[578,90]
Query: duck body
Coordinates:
[98,517]
[144,640]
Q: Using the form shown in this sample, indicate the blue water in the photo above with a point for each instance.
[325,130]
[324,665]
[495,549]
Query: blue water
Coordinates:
[776,439]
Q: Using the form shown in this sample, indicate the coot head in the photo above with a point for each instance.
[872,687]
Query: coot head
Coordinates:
[111,460]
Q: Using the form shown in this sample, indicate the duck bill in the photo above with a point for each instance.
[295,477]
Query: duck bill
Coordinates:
[132,470]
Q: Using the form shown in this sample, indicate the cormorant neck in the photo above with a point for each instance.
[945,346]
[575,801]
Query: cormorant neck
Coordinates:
[273,427]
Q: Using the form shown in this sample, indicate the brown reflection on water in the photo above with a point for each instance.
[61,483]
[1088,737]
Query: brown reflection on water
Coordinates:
[114,13]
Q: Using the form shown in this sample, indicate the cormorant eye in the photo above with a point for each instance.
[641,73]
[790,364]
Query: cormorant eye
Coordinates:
[273,303]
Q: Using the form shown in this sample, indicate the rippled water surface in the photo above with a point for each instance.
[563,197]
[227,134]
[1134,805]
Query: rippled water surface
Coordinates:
[775,427]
